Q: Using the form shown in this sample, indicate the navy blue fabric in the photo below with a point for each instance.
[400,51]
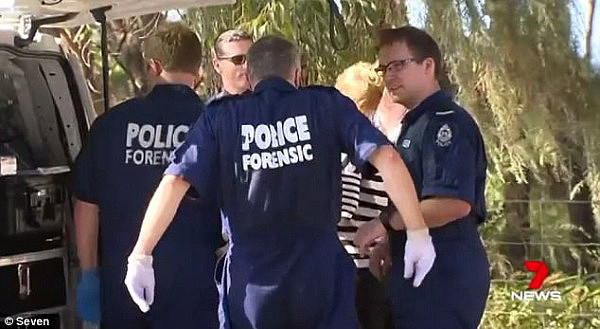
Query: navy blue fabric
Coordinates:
[444,152]
[128,150]
[222,94]
[275,157]
[455,291]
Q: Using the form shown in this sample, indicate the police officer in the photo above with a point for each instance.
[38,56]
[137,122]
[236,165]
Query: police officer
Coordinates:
[229,61]
[274,154]
[444,151]
[128,149]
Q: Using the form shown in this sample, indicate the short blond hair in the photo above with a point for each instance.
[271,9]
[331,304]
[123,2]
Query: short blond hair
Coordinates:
[176,46]
[363,85]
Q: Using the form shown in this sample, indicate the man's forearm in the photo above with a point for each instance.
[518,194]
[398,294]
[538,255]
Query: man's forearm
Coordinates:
[399,186]
[160,213]
[86,233]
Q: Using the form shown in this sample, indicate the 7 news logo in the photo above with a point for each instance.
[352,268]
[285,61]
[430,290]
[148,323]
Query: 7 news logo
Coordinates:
[541,273]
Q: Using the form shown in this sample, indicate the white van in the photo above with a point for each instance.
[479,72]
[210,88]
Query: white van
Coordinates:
[45,113]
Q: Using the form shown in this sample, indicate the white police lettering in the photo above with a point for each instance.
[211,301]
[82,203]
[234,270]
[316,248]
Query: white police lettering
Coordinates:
[275,140]
[152,145]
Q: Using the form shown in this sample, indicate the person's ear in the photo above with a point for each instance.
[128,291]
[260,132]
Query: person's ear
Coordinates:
[155,67]
[429,66]
[297,77]
[216,65]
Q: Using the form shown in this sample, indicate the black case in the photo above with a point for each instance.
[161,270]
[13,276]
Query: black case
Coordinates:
[33,210]
[32,282]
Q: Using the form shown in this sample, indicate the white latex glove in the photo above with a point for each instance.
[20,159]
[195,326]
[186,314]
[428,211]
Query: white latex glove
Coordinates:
[140,280]
[419,255]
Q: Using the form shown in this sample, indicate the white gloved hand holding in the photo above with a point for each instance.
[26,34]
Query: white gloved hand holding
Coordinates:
[140,280]
[419,255]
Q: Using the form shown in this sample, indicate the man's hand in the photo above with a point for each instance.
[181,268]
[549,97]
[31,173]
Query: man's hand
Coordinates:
[419,255]
[380,260]
[88,296]
[140,280]
[367,234]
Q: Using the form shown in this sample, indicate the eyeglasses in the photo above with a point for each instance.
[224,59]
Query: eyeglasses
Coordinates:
[235,59]
[394,66]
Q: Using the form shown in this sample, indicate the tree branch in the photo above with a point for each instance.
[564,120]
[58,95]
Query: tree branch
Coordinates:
[589,31]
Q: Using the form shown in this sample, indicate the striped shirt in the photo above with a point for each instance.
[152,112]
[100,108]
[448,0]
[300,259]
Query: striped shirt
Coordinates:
[363,199]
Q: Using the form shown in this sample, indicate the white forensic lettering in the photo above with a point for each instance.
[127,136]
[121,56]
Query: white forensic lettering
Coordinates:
[157,157]
[266,159]
[300,154]
[177,138]
[157,142]
[138,157]
[290,136]
[274,160]
[146,136]
[293,155]
[148,158]
[169,139]
[302,128]
[284,157]
[245,161]
[168,157]
[255,161]
[248,136]
[128,155]
[280,136]
[262,137]
[305,150]
[274,142]
[133,130]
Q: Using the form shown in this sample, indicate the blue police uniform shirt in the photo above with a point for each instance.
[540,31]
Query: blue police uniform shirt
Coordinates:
[275,154]
[444,151]
[128,149]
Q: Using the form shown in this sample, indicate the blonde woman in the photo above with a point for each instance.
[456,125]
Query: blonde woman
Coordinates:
[363,198]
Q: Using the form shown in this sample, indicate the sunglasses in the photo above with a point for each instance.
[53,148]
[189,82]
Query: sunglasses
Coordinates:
[235,59]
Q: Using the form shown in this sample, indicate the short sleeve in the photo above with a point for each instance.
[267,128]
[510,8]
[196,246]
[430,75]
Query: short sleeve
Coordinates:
[449,160]
[85,187]
[359,138]
[196,159]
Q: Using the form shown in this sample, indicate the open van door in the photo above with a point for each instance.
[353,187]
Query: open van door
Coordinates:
[12,11]
[45,113]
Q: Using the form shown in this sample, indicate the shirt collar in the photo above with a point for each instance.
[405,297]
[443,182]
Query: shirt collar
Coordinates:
[274,83]
[431,102]
[168,89]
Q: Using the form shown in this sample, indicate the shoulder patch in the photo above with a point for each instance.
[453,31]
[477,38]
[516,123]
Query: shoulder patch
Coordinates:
[444,136]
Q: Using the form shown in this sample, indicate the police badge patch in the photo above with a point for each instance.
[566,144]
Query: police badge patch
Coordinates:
[444,136]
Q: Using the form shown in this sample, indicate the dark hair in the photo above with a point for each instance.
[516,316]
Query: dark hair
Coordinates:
[176,46]
[418,41]
[229,36]
[272,56]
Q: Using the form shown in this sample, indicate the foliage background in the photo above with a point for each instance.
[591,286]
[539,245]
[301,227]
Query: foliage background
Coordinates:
[513,64]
